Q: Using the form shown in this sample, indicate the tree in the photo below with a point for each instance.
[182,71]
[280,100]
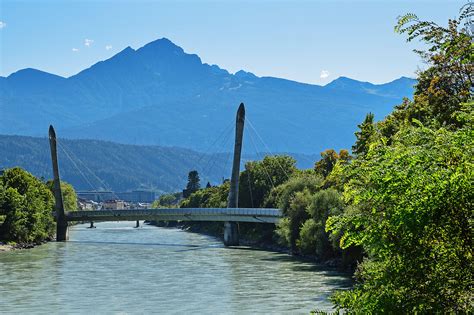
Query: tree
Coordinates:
[193,184]
[364,135]
[27,204]
[68,193]
[293,197]
[411,210]
[214,197]
[448,81]
[260,177]
[324,203]
[167,200]
[329,159]
[410,195]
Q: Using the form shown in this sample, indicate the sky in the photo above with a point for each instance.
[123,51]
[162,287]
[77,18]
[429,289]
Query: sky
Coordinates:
[306,41]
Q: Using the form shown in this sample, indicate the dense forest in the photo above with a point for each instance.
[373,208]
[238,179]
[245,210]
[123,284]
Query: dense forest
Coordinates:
[400,207]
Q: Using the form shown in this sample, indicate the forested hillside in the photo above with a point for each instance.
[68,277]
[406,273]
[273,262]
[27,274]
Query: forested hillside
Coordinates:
[94,164]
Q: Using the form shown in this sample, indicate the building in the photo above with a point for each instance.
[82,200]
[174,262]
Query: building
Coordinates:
[87,205]
[113,205]
[134,196]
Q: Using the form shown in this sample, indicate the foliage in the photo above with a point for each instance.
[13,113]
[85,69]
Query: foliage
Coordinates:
[329,159]
[27,204]
[69,195]
[193,185]
[259,177]
[213,197]
[325,203]
[412,213]
[167,200]
[409,195]
[449,80]
[364,136]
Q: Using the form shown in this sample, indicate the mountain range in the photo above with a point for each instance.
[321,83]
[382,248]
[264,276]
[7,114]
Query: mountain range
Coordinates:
[161,95]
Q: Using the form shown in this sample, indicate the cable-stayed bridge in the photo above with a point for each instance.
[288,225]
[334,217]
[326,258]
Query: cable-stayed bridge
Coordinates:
[230,215]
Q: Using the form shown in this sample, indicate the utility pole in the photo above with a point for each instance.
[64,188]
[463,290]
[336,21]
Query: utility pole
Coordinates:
[231,229]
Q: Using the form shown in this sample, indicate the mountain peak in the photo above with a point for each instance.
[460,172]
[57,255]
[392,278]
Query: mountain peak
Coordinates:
[162,45]
[245,75]
[31,72]
[345,82]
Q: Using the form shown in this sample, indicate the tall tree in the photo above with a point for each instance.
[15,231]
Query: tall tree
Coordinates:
[364,135]
[326,164]
[194,183]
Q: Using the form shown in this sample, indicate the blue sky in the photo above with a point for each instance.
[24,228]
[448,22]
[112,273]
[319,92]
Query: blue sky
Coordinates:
[306,41]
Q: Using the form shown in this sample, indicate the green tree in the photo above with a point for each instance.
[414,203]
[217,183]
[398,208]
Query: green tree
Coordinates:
[68,193]
[448,81]
[364,136]
[167,200]
[260,177]
[293,197]
[411,210]
[324,203]
[327,162]
[213,197]
[193,185]
[27,204]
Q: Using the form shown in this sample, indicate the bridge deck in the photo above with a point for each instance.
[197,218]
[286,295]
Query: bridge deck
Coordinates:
[257,215]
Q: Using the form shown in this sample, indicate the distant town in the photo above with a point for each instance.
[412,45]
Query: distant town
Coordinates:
[109,200]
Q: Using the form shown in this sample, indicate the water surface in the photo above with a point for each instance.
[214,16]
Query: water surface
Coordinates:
[119,269]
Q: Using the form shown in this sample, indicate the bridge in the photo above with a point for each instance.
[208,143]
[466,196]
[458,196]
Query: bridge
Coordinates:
[254,215]
[231,215]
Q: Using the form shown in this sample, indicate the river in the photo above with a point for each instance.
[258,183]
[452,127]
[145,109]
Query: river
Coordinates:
[119,269]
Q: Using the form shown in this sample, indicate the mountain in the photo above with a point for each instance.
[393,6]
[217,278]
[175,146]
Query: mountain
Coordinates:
[94,164]
[161,95]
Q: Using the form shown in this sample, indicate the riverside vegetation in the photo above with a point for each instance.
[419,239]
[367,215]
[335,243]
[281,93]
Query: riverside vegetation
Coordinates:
[26,204]
[399,208]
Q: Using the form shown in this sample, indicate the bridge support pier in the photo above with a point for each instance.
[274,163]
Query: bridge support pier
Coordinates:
[231,229]
[61,221]
[231,234]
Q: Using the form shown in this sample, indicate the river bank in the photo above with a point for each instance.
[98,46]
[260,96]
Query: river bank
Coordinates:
[19,246]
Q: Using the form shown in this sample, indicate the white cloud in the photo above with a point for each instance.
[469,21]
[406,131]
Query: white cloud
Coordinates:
[324,74]
[75,49]
[88,42]
[108,47]
[2,24]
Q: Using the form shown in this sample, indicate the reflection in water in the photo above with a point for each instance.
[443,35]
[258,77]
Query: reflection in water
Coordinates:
[119,269]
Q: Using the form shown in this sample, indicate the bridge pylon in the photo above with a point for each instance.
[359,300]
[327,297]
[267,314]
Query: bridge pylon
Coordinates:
[61,221]
[231,229]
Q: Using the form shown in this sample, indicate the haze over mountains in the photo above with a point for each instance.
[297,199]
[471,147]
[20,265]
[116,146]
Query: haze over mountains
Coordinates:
[160,95]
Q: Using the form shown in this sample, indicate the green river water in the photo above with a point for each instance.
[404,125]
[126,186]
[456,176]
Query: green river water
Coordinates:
[118,269]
